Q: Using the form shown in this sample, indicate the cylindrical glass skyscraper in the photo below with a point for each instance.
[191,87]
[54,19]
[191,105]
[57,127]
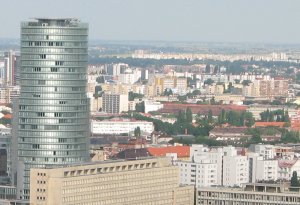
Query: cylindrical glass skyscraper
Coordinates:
[53,106]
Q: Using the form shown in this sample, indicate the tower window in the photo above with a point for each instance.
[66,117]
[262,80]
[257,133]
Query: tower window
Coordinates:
[54,69]
[58,62]
[43,56]
[41,82]
[37,69]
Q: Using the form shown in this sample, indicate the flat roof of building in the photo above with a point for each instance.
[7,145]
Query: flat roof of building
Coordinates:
[100,162]
[55,19]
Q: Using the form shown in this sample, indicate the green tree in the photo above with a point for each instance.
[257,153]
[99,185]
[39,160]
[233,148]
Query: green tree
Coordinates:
[290,136]
[229,88]
[207,141]
[137,132]
[168,92]
[181,117]
[140,107]
[222,117]
[210,116]
[98,91]
[213,101]
[182,98]
[189,115]
[249,119]
[294,180]
[246,82]
[196,92]
[132,96]
[207,68]
[209,81]
[100,79]
[236,81]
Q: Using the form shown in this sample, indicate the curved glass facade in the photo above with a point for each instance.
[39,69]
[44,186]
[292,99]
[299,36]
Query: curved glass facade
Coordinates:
[53,105]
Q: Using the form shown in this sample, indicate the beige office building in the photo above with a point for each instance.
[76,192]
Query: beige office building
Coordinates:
[139,182]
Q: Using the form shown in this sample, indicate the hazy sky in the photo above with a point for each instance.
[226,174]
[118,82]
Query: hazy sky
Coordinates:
[275,21]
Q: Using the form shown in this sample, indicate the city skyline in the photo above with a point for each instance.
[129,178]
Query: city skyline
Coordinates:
[208,21]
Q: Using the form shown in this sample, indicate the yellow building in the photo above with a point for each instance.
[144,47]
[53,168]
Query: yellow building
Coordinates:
[137,182]
[115,88]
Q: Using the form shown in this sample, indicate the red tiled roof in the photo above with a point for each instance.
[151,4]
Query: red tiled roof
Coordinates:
[286,163]
[269,124]
[227,130]
[7,116]
[181,151]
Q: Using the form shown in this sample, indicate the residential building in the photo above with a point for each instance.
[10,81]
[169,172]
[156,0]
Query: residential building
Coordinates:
[5,151]
[201,109]
[261,169]
[114,88]
[178,152]
[52,113]
[8,193]
[264,150]
[286,167]
[116,69]
[8,93]
[274,87]
[118,126]
[114,103]
[11,65]
[256,109]
[136,182]
[215,89]
[229,134]
[204,168]
[235,168]
[181,84]
[130,76]
[151,105]
[229,99]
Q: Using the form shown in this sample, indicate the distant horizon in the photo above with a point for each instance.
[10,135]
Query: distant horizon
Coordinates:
[231,21]
[179,41]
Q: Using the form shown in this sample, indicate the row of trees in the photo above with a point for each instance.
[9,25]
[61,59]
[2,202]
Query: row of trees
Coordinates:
[286,135]
[235,118]
[276,115]
[181,126]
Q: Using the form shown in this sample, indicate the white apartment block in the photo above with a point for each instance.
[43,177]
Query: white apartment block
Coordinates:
[130,76]
[261,168]
[203,155]
[264,150]
[223,166]
[119,126]
[267,170]
[200,175]
[151,105]
[235,167]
